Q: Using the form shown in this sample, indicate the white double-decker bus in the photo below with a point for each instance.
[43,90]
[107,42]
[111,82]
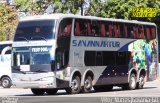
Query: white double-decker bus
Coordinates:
[76,53]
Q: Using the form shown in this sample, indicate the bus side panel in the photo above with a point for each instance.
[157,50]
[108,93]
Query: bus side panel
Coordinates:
[144,56]
[113,75]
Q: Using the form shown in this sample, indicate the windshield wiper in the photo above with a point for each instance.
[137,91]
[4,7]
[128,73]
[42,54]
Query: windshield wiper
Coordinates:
[38,37]
[22,38]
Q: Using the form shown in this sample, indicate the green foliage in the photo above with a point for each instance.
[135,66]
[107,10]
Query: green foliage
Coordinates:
[120,8]
[58,6]
[24,5]
[8,21]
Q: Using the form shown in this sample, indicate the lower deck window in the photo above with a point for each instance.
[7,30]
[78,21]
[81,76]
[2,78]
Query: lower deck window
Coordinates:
[103,58]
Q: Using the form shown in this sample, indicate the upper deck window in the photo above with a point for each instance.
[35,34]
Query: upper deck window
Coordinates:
[65,27]
[35,30]
[150,32]
[81,27]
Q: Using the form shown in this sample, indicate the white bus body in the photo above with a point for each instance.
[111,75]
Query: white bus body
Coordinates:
[72,52]
[5,64]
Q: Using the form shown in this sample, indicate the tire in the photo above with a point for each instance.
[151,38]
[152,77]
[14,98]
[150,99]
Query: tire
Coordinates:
[141,82]
[6,82]
[87,85]
[75,86]
[51,91]
[132,83]
[37,91]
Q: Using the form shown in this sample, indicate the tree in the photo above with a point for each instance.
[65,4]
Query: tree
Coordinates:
[53,6]
[121,9]
[76,6]
[8,22]
[95,8]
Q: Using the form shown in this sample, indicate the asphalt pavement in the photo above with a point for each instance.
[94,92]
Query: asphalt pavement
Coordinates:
[150,94]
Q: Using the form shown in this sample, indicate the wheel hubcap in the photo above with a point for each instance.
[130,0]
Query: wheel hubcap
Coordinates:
[133,82]
[74,84]
[141,81]
[87,84]
[5,83]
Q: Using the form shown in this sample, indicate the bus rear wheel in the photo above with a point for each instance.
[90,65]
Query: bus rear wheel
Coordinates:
[51,91]
[141,82]
[75,86]
[37,91]
[132,83]
[87,85]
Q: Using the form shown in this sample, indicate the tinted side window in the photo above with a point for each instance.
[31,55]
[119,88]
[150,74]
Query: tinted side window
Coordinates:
[150,32]
[153,32]
[109,58]
[103,31]
[121,58]
[65,27]
[118,29]
[106,29]
[80,27]
[140,32]
[99,58]
[89,58]
[103,58]
[130,30]
[95,25]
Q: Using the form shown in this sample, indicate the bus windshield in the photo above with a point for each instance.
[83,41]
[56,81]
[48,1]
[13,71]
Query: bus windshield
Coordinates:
[31,56]
[35,30]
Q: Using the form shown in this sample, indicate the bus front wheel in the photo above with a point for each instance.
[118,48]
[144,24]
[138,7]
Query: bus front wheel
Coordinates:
[37,91]
[141,82]
[75,86]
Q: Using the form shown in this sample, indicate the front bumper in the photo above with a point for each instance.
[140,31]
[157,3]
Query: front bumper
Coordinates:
[39,80]
[33,84]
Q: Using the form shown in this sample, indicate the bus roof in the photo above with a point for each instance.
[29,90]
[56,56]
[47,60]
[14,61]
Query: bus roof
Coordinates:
[60,16]
[5,42]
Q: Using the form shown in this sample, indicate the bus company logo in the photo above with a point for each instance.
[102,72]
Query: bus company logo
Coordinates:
[95,43]
[144,12]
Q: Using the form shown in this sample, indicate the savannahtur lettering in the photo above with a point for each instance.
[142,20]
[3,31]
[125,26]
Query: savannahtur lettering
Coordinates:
[95,43]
